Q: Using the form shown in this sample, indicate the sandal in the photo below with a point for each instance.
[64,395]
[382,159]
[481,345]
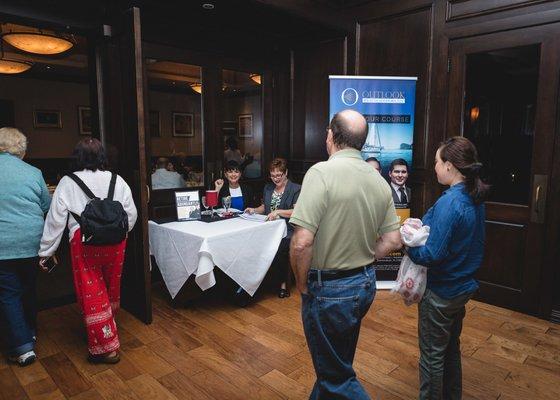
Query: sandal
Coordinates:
[103,358]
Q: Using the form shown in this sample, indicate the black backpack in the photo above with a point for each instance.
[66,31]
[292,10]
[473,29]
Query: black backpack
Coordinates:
[103,221]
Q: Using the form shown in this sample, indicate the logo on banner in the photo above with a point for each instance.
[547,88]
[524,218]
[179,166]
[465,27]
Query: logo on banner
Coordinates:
[383,97]
[349,96]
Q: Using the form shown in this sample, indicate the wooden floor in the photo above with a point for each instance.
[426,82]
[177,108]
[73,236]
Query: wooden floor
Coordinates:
[217,351]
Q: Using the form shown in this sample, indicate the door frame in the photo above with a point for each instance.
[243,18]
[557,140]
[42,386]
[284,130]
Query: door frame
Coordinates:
[536,292]
[122,80]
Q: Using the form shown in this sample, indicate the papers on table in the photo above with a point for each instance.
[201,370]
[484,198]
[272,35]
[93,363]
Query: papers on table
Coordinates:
[253,217]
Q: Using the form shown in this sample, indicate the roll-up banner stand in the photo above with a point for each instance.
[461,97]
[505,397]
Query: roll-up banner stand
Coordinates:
[387,103]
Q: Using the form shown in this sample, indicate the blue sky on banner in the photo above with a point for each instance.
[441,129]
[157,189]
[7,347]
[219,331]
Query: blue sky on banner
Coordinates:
[381,97]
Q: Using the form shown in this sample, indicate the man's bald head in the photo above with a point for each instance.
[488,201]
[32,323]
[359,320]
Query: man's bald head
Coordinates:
[349,129]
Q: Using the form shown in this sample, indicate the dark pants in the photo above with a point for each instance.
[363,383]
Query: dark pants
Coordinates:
[281,263]
[18,305]
[440,322]
[332,313]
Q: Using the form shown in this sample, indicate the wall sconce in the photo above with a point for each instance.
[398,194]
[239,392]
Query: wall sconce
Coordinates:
[475,112]
[197,87]
[256,78]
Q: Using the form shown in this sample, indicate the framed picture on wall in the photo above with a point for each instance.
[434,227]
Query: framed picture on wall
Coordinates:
[183,124]
[84,120]
[245,125]
[47,119]
[154,123]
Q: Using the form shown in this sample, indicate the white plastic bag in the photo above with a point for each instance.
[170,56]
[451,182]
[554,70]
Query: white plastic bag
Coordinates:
[411,279]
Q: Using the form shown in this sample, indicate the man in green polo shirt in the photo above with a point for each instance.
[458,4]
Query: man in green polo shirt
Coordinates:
[344,219]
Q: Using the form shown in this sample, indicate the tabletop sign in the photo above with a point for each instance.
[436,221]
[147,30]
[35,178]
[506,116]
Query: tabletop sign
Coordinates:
[188,206]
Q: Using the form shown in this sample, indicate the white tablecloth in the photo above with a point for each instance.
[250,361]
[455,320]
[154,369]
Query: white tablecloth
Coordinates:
[242,249]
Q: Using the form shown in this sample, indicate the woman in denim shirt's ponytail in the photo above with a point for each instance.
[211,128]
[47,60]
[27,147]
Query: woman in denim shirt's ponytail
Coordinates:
[452,254]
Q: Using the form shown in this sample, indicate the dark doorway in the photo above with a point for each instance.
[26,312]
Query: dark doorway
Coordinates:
[502,96]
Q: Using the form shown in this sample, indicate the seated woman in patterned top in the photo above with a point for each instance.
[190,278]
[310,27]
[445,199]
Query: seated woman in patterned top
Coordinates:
[279,200]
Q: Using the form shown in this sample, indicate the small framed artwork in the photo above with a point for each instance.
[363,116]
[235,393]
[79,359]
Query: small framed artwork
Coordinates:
[245,125]
[154,123]
[183,125]
[84,120]
[47,119]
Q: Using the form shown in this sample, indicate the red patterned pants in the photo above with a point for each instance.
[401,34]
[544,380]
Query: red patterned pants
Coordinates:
[97,280]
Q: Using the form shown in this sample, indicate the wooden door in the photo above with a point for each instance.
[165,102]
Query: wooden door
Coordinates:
[124,138]
[503,90]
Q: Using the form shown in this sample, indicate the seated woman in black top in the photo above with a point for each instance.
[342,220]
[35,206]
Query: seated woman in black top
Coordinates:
[241,194]
[279,200]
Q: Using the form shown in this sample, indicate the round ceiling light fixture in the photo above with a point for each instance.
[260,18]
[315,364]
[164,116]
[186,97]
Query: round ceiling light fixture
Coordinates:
[39,42]
[13,67]
[208,6]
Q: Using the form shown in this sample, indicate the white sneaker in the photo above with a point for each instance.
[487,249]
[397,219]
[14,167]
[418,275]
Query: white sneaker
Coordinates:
[24,359]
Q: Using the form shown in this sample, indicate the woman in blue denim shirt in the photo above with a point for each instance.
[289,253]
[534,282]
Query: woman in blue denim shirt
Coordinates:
[452,254]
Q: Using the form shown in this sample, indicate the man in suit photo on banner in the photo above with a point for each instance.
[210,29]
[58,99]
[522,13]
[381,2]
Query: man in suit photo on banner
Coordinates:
[398,175]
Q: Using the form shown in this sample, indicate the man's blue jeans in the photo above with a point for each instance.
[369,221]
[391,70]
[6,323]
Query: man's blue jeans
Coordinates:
[18,309]
[332,312]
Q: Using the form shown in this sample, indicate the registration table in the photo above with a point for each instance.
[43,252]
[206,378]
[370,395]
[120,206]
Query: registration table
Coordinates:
[242,249]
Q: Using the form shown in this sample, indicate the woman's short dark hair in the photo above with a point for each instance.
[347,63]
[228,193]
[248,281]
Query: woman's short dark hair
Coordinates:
[279,164]
[462,153]
[232,166]
[89,154]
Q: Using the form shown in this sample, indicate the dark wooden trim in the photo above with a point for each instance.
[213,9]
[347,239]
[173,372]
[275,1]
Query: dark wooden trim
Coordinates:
[493,294]
[385,8]
[142,164]
[459,9]
[550,276]
[534,15]
[516,214]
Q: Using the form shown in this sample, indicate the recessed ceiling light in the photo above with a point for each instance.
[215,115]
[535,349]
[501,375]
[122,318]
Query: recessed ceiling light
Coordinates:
[208,6]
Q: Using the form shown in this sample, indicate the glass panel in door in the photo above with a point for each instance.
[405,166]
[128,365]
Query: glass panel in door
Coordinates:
[499,117]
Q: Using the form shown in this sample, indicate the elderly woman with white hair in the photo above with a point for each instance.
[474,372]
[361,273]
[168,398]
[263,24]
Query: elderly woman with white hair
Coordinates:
[24,199]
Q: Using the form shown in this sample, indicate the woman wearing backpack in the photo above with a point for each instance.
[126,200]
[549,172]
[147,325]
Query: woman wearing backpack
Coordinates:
[96,267]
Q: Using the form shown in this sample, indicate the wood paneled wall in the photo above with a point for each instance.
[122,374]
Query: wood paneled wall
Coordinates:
[311,66]
[376,55]
[411,38]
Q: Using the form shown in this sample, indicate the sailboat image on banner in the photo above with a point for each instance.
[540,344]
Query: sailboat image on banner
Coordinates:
[372,146]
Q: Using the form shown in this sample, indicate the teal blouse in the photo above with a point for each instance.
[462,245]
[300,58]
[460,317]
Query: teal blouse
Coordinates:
[24,199]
